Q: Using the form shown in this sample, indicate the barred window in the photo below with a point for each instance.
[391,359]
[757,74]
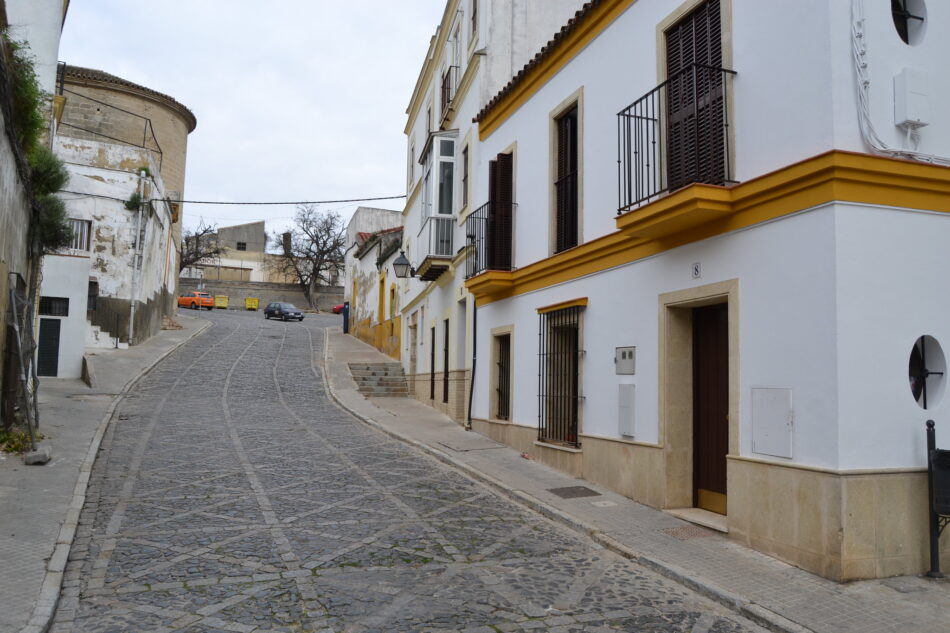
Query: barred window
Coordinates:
[82,231]
[559,364]
[54,306]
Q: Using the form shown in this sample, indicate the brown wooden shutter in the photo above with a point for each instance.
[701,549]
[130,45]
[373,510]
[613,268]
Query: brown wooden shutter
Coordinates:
[695,135]
[501,197]
[566,183]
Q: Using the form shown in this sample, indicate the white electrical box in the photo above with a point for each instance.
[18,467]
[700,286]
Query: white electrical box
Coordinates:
[625,360]
[911,102]
[772,421]
[627,401]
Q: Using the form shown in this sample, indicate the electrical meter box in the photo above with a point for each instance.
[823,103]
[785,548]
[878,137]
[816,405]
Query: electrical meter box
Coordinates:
[625,360]
[911,102]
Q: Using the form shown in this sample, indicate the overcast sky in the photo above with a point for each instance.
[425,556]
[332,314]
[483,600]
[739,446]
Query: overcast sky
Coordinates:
[295,99]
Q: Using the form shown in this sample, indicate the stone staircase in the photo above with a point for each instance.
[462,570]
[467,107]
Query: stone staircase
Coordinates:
[380,380]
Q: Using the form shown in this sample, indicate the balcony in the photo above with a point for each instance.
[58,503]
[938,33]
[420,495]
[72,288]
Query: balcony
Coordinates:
[674,136]
[488,236]
[434,247]
[450,84]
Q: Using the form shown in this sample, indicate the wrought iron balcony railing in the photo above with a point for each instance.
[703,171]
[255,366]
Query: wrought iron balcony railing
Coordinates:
[675,135]
[488,235]
[449,86]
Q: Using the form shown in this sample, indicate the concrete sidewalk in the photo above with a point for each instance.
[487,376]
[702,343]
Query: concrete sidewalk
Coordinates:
[776,595]
[40,505]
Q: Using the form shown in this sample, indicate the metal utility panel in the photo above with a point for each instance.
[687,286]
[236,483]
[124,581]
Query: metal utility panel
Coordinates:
[626,410]
[772,421]
[625,360]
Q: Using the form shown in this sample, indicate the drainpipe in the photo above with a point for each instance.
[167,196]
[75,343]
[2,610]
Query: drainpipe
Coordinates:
[471,382]
[135,256]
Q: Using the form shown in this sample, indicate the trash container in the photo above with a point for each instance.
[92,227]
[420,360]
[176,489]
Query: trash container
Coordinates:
[221,301]
[251,303]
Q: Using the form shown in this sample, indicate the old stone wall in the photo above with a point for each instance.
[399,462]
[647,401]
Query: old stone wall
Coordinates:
[15,212]
[324,298]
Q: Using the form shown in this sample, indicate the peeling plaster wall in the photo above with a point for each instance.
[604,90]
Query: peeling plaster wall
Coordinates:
[102,175]
[364,220]
[14,220]
[381,330]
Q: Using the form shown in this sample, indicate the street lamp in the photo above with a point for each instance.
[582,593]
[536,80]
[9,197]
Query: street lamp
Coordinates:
[402,267]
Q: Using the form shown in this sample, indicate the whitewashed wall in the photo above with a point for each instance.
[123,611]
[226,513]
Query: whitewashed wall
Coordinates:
[786,319]
[39,23]
[65,276]
[891,266]
[787,107]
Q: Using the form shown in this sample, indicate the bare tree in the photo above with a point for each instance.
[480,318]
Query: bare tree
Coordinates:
[198,244]
[312,250]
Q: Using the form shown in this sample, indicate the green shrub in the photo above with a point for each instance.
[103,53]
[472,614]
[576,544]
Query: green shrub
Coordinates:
[47,172]
[134,201]
[29,100]
[52,225]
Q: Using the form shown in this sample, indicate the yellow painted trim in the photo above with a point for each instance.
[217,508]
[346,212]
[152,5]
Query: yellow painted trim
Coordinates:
[582,302]
[699,212]
[599,19]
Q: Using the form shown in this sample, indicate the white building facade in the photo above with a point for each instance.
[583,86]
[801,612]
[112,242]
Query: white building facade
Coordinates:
[473,53]
[721,301]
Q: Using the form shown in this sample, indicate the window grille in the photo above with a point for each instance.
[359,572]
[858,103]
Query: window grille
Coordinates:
[558,386]
[82,230]
[445,362]
[432,365]
[54,306]
[242,246]
[503,387]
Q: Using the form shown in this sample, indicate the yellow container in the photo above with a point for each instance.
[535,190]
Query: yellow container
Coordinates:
[221,301]
[251,303]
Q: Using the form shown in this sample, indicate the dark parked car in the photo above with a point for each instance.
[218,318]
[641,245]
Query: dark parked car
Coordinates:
[338,308]
[283,311]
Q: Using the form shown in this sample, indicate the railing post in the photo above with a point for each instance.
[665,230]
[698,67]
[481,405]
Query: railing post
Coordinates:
[934,520]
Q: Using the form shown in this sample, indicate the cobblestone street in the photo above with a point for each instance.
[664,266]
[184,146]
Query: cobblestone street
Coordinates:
[231,494]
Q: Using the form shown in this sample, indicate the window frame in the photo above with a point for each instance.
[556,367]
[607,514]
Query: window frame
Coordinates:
[574,101]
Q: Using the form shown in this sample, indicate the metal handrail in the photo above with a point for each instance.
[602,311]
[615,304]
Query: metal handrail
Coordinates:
[675,135]
[489,238]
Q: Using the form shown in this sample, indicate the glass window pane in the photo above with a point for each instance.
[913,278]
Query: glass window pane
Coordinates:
[446,177]
[446,148]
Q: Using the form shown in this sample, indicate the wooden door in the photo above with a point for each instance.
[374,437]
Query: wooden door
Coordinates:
[47,355]
[696,150]
[710,406]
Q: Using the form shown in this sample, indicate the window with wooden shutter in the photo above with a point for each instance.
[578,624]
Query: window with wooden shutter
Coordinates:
[696,143]
[501,199]
[565,184]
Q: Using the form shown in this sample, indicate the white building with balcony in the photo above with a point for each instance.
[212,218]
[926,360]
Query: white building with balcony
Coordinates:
[722,291]
[474,52]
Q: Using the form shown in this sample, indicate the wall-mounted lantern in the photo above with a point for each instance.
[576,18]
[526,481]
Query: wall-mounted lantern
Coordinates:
[402,267]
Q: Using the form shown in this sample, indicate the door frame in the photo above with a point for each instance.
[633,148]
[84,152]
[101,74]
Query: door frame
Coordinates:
[676,383]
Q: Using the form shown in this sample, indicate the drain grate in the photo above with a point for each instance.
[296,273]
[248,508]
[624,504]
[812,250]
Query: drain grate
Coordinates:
[574,492]
[687,532]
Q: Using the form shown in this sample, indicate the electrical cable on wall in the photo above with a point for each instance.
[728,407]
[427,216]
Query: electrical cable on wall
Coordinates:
[870,135]
[93,195]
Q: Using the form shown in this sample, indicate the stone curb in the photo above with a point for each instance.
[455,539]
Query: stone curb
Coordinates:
[748,609]
[42,616]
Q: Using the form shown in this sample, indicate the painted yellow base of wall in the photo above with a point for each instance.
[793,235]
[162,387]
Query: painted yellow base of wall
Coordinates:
[840,526]
[383,336]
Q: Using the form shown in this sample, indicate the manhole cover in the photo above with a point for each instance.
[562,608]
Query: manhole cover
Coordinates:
[687,532]
[574,492]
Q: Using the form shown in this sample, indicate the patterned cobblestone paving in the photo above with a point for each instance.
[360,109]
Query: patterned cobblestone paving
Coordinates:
[231,495]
